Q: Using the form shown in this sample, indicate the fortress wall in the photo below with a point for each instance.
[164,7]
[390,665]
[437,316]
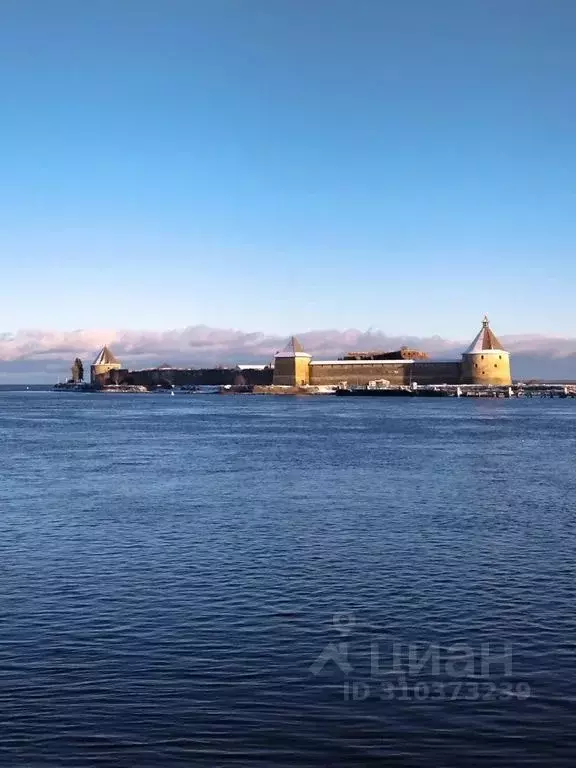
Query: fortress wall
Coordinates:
[422,372]
[437,372]
[357,375]
[397,373]
[196,376]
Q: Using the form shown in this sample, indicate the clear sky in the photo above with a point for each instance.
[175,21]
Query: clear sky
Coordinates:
[283,165]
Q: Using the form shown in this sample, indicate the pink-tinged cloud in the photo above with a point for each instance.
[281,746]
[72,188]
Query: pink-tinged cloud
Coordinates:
[197,344]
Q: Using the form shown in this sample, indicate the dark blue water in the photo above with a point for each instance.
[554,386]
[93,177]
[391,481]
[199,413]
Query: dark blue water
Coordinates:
[205,581]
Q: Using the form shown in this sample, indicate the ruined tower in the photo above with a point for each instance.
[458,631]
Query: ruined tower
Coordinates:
[292,365]
[102,365]
[485,361]
[77,371]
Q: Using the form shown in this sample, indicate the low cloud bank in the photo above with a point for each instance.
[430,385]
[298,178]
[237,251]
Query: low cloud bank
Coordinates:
[43,356]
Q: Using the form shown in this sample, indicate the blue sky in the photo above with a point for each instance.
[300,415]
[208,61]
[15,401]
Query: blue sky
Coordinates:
[283,165]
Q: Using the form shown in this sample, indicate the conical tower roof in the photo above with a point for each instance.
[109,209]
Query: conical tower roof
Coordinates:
[106,358]
[485,341]
[292,349]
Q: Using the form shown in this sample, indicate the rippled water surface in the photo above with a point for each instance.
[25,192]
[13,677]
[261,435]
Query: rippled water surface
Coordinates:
[205,581]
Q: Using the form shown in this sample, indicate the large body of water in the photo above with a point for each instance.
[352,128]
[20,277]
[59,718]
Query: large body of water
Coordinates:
[206,581]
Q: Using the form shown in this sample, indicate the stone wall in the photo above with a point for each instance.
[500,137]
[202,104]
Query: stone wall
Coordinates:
[357,375]
[197,376]
[397,374]
[436,372]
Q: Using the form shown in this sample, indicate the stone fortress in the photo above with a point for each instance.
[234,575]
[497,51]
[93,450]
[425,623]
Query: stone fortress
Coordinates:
[484,363]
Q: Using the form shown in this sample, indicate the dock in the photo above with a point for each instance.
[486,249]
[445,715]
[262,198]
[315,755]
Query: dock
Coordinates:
[463,390]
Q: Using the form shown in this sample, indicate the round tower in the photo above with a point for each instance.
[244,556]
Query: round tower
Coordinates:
[292,365]
[101,367]
[485,361]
